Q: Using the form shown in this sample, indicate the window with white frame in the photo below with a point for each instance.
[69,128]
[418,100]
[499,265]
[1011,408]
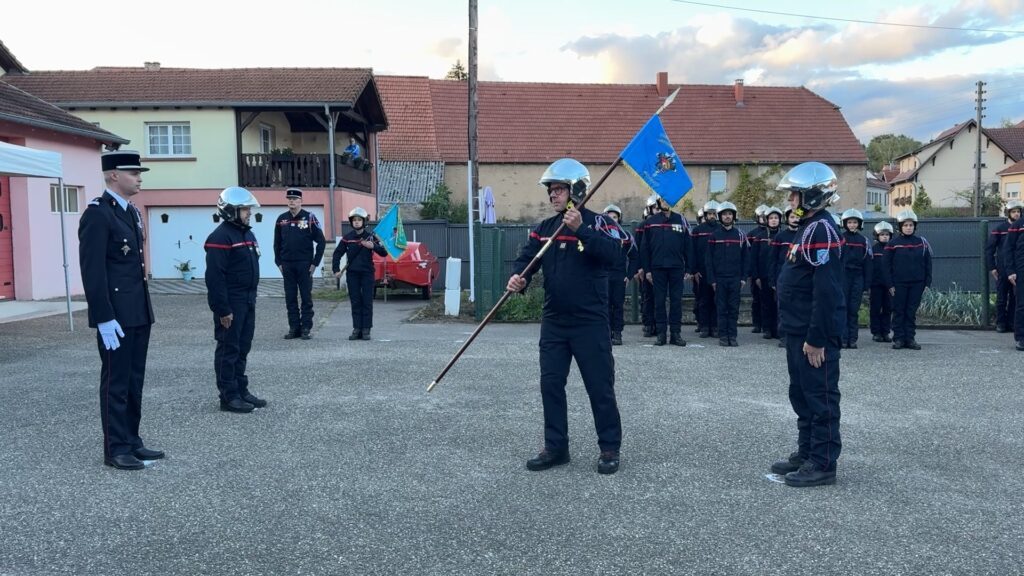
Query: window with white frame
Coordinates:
[718,181]
[877,196]
[1012,190]
[70,198]
[266,139]
[168,139]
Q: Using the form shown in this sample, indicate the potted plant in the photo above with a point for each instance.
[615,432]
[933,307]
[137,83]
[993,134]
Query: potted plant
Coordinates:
[279,155]
[185,268]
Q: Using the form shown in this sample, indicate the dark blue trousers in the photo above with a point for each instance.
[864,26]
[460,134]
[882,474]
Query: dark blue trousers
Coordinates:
[814,395]
[360,296]
[756,306]
[616,299]
[122,375]
[854,292]
[668,284]
[881,311]
[696,301]
[1006,302]
[647,303]
[769,309]
[708,311]
[298,283]
[905,303]
[727,301]
[591,346]
[232,352]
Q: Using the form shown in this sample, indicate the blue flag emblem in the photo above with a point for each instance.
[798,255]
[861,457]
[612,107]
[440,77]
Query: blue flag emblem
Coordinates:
[652,158]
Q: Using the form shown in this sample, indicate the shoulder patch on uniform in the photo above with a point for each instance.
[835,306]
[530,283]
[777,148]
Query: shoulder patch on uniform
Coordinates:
[95,201]
[822,256]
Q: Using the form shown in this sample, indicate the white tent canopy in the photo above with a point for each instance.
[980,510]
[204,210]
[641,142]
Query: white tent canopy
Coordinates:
[32,163]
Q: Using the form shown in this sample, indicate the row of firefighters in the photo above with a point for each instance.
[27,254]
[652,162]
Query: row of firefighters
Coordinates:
[720,260]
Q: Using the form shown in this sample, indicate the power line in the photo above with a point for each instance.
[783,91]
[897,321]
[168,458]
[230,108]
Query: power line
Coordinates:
[851,20]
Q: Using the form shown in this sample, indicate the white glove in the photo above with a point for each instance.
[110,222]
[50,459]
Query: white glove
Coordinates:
[110,331]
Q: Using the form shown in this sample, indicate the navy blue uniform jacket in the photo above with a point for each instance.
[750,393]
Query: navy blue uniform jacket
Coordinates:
[232,267]
[575,279]
[360,258]
[756,239]
[908,260]
[762,258]
[993,248]
[878,264]
[856,259]
[726,255]
[781,245]
[667,243]
[700,235]
[113,272]
[295,237]
[811,301]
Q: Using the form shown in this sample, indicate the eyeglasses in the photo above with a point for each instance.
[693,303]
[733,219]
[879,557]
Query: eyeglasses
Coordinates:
[553,190]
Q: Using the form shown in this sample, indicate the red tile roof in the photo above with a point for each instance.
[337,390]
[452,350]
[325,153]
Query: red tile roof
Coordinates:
[21,107]
[1011,140]
[411,135]
[890,172]
[1017,168]
[120,86]
[541,122]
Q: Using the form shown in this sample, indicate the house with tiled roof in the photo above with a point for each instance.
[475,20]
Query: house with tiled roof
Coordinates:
[945,167]
[523,127]
[1011,181]
[31,259]
[202,130]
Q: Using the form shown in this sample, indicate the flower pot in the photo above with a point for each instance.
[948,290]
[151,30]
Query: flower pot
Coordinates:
[187,276]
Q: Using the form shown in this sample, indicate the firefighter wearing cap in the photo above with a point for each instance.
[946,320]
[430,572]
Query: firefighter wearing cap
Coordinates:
[880,298]
[646,288]
[667,260]
[762,272]
[298,248]
[619,274]
[756,239]
[996,265]
[575,318]
[707,317]
[856,272]
[908,271]
[232,275]
[110,253]
[811,313]
[726,261]
[359,246]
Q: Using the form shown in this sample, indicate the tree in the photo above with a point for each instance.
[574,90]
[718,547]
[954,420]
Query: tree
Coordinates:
[752,191]
[922,203]
[991,201]
[883,149]
[1007,123]
[439,206]
[457,72]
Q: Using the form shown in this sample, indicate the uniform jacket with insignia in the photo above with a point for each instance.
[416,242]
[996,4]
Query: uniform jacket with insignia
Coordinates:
[726,255]
[762,255]
[856,258]
[811,301]
[295,237]
[232,267]
[110,243]
[781,244]
[360,258]
[908,261]
[700,236]
[756,240]
[993,248]
[667,243]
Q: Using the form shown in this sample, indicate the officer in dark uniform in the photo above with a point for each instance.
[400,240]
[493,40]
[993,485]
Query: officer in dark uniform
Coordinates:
[296,234]
[811,310]
[694,284]
[619,275]
[908,271]
[856,272]
[232,275]
[763,272]
[781,245]
[650,327]
[726,261]
[358,245]
[755,240]
[1012,251]
[1005,297]
[575,318]
[705,295]
[110,252]
[880,298]
[667,260]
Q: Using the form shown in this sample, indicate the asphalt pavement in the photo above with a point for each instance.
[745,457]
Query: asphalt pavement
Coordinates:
[354,469]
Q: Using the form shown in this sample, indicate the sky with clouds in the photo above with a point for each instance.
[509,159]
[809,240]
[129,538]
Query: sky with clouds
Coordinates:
[914,81]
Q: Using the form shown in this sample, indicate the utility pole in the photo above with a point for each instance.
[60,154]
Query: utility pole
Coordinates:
[977,157]
[473,175]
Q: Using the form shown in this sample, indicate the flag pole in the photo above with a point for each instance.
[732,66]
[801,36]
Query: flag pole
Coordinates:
[529,267]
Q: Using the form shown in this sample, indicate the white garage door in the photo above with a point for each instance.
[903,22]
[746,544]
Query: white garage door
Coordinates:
[181,237]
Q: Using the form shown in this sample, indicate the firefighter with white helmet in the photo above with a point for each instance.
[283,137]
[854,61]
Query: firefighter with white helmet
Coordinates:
[781,246]
[232,275]
[646,288]
[667,260]
[880,301]
[575,314]
[703,294]
[908,271]
[762,271]
[812,311]
[856,272]
[358,245]
[726,261]
[756,239]
[619,274]
[1005,296]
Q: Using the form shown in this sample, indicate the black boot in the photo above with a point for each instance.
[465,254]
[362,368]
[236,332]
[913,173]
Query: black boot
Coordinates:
[366,334]
[1020,345]
[616,338]
[723,341]
[897,344]
[547,459]
[886,338]
[608,462]
[810,474]
[791,464]
[661,341]
[292,334]
[877,338]
[676,339]
[355,335]
[756,330]
[912,344]
[714,332]
[1001,328]
[705,333]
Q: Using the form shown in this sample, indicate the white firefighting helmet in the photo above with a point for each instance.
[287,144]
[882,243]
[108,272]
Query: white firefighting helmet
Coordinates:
[571,173]
[233,198]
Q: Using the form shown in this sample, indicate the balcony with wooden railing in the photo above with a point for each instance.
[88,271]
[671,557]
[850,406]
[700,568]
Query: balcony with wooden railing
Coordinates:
[303,171]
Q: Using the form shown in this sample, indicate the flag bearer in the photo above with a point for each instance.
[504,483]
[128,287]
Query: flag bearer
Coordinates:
[359,246]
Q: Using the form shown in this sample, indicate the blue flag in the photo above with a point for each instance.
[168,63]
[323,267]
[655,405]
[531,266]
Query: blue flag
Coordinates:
[391,232]
[651,157]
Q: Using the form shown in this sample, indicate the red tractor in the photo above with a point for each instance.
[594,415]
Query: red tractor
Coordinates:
[416,268]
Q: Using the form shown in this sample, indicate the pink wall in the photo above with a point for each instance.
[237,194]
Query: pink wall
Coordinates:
[38,260]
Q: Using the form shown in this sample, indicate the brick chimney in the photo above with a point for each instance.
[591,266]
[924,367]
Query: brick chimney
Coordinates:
[662,83]
[737,91]
[152,66]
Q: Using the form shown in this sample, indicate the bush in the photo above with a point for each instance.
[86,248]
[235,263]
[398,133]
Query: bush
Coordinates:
[525,307]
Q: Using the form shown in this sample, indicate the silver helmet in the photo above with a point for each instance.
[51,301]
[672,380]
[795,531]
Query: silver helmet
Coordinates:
[571,173]
[856,215]
[710,206]
[727,207]
[1013,205]
[836,219]
[358,212]
[652,200]
[906,215]
[613,208]
[816,184]
[233,198]
[883,227]
[773,210]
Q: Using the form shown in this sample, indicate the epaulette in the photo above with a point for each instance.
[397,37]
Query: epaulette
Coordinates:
[95,201]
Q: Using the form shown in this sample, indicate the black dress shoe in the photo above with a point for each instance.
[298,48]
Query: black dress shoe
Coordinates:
[236,405]
[714,332]
[147,454]
[886,339]
[756,330]
[676,339]
[852,345]
[705,333]
[782,344]
[252,399]
[292,334]
[366,334]
[767,335]
[547,459]
[733,342]
[616,338]
[305,335]
[791,464]
[810,474]
[897,345]
[1001,328]
[723,341]
[124,462]
[1020,345]
[912,344]
[877,338]
[608,462]
[661,341]
[356,335]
